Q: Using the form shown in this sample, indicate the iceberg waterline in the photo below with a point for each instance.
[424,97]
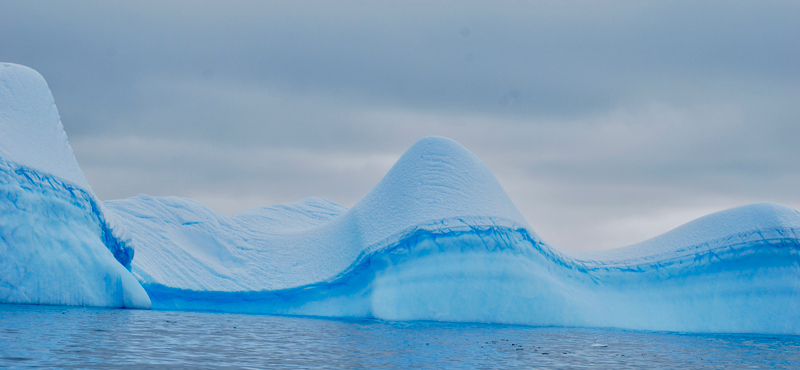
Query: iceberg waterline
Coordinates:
[437,239]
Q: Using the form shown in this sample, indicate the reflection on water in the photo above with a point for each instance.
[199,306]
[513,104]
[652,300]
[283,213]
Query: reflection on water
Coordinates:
[103,338]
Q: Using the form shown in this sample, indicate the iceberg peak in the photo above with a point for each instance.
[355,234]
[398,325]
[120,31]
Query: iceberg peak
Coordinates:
[436,179]
[32,131]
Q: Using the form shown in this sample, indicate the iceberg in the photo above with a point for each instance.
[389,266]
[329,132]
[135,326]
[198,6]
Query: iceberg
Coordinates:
[186,250]
[57,245]
[437,239]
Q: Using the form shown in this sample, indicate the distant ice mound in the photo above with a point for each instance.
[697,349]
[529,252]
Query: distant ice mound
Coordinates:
[56,244]
[736,270]
[438,239]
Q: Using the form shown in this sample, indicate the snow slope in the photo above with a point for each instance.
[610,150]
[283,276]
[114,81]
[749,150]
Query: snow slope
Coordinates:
[438,239]
[56,243]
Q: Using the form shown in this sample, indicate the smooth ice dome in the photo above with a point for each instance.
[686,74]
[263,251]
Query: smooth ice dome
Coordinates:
[56,245]
[436,239]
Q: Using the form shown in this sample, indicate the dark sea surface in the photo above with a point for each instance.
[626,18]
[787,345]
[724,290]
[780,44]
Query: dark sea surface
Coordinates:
[64,337]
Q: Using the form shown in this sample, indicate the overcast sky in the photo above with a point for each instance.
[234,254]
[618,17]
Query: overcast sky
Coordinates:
[606,122]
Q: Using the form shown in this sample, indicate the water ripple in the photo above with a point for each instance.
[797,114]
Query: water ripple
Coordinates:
[44,336]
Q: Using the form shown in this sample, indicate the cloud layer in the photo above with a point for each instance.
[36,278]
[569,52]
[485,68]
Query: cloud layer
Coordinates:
[607,123]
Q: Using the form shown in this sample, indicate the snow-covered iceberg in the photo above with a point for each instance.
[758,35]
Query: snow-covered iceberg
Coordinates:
[439,239]
[57,246]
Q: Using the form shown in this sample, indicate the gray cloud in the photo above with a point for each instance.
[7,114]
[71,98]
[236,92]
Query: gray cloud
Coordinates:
[607,123]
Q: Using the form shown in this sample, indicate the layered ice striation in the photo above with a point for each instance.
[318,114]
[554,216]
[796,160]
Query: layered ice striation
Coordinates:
[438,239]
[57,246]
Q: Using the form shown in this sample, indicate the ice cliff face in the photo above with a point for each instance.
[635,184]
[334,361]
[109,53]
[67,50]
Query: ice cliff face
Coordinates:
[56,245]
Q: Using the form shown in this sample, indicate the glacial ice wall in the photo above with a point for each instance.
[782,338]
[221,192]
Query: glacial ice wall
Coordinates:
[438,239]
[56,243]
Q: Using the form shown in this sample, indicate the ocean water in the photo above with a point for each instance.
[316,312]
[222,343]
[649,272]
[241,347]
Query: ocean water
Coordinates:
[65,337]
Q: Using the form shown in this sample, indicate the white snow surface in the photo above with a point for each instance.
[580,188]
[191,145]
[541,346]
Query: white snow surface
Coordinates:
[56,245]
